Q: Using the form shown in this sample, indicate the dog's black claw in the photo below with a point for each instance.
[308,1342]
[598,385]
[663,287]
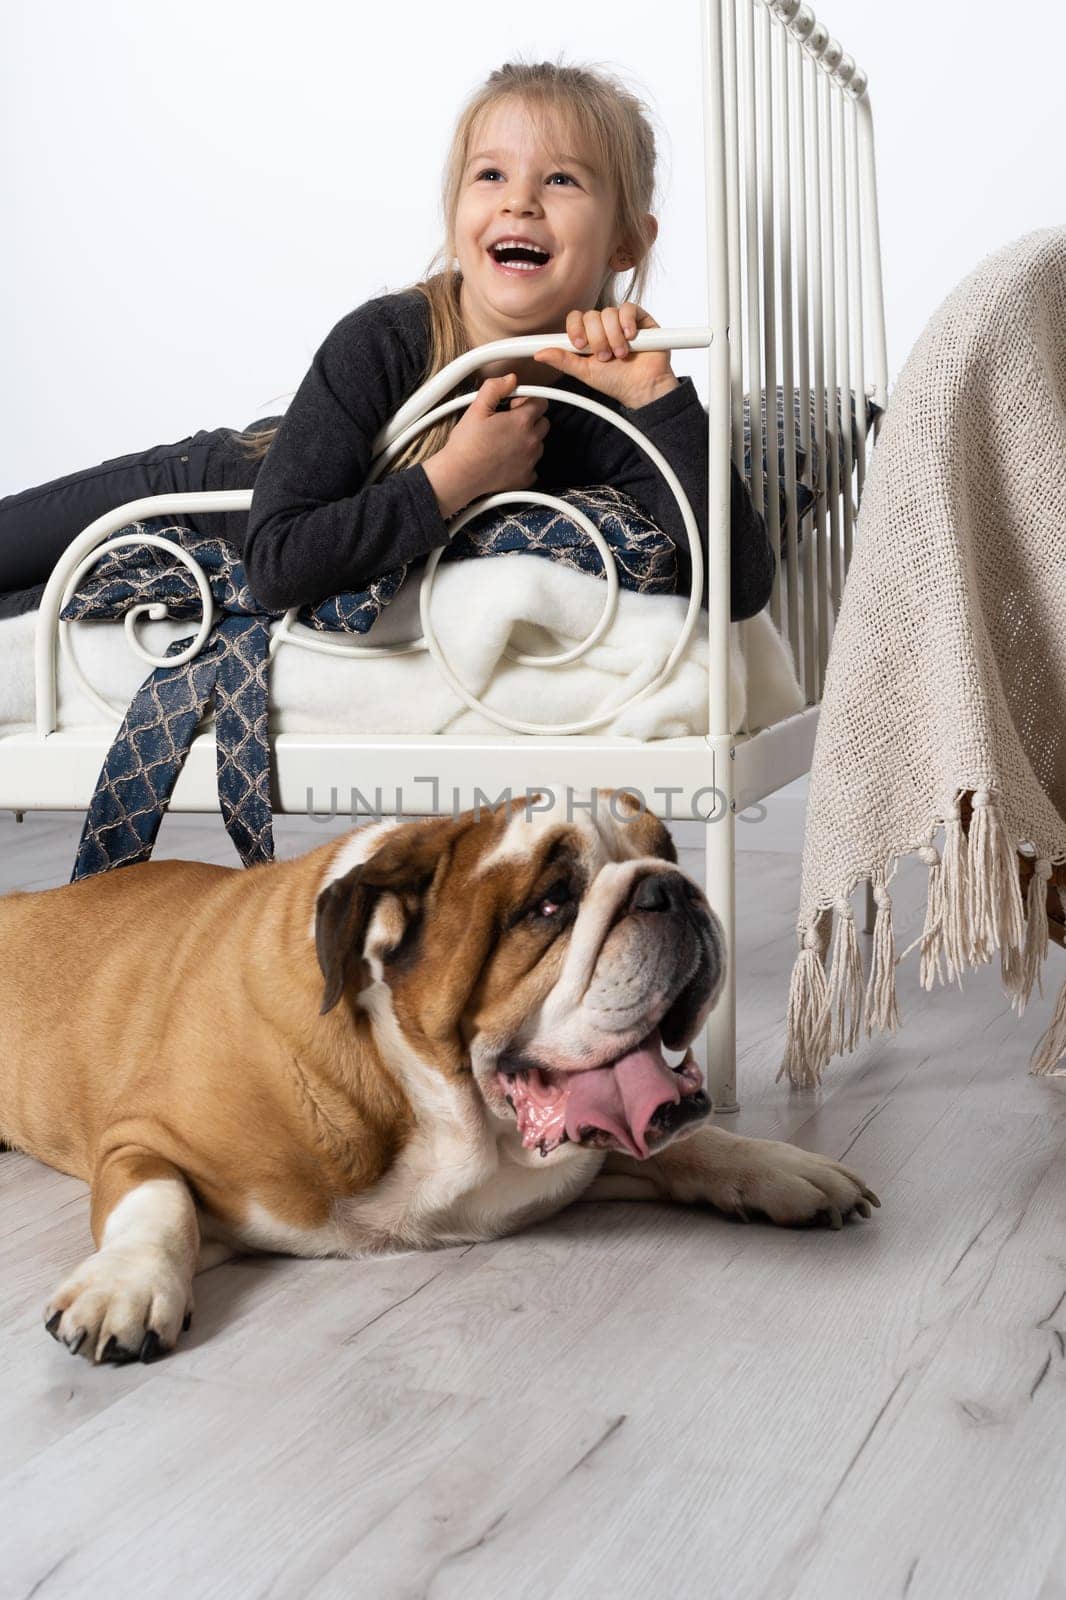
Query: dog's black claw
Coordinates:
[150,1346]
[115,1354]
[186,1322]
[75,1344]
[53,1323]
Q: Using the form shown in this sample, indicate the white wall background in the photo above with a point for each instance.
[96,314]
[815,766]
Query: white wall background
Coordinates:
[194,191]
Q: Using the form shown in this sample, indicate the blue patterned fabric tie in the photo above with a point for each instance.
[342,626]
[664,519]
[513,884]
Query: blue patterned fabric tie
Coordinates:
[149,749]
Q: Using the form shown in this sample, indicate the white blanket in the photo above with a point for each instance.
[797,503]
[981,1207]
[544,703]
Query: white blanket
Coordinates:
[479,607]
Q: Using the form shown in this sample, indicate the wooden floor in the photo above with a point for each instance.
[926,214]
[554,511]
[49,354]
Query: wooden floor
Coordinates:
[630,1401]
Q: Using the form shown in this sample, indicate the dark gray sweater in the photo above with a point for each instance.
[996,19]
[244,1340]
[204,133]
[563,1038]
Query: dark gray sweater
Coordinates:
[316,528]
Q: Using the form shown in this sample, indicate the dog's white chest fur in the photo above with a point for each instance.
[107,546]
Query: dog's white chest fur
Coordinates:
[448,1189]
[463,1176]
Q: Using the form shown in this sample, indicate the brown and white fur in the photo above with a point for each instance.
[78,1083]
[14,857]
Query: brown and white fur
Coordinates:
[321,1056]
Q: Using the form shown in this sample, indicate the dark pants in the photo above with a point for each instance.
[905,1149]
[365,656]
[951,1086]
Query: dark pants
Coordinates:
[37,525]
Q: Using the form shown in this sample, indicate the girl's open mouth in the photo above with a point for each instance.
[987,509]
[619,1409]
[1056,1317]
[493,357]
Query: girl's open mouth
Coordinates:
[525,260]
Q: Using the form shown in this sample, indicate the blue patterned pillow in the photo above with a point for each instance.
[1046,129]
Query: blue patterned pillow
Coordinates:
[355,611]
[807,472]
[646,558]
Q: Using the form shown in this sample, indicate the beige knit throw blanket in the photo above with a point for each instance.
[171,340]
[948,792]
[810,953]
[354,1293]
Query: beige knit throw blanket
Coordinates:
[947,674]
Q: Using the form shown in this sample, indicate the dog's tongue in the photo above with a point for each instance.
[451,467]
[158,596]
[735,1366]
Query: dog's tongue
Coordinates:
[622,1098]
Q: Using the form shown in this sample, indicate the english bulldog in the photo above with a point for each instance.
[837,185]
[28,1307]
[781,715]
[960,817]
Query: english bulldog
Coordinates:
[419,1034]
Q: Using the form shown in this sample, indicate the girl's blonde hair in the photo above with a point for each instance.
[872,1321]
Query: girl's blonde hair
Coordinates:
[613,126]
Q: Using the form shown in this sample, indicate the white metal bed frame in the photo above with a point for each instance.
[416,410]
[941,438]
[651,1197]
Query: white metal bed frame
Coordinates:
[794,298]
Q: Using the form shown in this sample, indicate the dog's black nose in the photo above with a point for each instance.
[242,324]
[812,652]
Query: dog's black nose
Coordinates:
[660,891]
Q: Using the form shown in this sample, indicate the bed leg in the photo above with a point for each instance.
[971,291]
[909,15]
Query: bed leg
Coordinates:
[869,915]
[721,892]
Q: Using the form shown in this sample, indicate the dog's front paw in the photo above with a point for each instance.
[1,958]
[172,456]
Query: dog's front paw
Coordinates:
[791,1186]
[121,1305]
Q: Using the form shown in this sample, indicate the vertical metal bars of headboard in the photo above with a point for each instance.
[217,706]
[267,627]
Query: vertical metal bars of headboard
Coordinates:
[798,94]
[786,412]
[765,116]
[806,316]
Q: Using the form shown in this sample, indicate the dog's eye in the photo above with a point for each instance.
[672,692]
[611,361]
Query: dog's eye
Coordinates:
[554,899]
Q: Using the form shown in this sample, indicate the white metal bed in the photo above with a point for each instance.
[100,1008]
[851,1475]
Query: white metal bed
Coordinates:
[794,299]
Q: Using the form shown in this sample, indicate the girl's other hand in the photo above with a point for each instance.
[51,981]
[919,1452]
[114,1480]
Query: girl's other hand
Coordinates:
[606,362]
[489,450]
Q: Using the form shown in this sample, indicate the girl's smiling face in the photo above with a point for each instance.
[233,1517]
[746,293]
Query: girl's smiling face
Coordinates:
[550,196]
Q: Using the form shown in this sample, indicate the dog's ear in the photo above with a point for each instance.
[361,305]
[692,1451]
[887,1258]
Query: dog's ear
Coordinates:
[342,912]
[406,862]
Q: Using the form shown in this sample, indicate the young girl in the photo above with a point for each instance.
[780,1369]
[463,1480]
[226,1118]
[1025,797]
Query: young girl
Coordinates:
[547,200]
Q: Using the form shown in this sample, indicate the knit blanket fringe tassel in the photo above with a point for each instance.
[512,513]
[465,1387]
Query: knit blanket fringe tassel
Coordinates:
[974,907]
